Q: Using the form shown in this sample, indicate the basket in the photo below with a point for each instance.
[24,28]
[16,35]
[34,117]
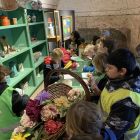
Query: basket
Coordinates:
[60,89]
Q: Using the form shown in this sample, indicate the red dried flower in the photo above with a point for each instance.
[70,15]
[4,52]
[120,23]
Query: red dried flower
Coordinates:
[33,110]
[52,126]
[47,60]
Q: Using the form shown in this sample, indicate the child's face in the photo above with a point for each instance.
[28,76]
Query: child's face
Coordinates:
[101,48]
[58,60]
[72,37]
[90,54]
[112,72]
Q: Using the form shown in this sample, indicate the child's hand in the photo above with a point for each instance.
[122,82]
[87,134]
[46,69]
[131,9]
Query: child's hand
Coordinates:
[91,80]
[96,90]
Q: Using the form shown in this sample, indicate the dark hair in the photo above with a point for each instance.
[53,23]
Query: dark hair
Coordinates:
[109,44]
[95,38]
[76,35]
[123,58]
[77,123]
[82,40]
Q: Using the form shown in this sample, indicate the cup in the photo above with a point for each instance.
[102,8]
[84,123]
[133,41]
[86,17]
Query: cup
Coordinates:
[14,21]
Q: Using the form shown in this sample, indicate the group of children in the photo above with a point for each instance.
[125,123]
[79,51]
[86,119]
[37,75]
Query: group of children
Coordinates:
[116,91]
[117,94]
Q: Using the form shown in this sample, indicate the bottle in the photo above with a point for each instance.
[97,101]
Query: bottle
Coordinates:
[33,18]
[50,28]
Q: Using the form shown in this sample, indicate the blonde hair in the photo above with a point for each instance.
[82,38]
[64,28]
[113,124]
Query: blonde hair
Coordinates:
[100,61]
[57,54]
[90,47]
[77,123]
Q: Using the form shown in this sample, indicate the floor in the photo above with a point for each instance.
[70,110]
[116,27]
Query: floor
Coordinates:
[40,88]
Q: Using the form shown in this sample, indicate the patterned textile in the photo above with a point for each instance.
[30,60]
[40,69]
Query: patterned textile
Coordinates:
[124,112]
[130,83]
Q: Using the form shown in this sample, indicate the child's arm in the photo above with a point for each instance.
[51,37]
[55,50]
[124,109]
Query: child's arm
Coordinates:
[92,84]
[19,103]
[122,116]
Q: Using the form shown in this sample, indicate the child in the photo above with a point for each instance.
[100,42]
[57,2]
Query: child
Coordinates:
[53,62]
[95,38]
[99,61]
[120,99]
[90,51]
[105,46]
[83,120]
[12,106]
[76,40]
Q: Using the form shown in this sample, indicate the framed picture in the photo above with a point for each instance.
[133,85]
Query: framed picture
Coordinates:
[67,26]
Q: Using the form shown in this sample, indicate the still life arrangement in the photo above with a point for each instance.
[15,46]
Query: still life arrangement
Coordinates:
[44,117]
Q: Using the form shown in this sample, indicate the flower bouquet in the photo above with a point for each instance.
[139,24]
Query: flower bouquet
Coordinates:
[44,117]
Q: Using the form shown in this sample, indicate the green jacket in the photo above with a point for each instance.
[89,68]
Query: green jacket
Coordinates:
[8,120]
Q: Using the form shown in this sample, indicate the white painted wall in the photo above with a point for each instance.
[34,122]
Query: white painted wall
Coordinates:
[100,7]
[51,4]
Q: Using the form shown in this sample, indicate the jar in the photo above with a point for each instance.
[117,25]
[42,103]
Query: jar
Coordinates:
[5,21]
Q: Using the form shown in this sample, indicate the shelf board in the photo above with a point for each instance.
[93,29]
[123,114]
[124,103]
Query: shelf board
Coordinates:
[13,54]
[54,39]
[29,90]
[20,76]
[39,79]
[12,26]
[39,62]
[36,23]
[36,43]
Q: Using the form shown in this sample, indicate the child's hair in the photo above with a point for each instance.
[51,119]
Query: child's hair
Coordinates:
[100,61]
[89,48]
[123,58]
[76,35]
[108,43]
[3,72]
[83,118]
[95,38]
[57,53]
[85,137]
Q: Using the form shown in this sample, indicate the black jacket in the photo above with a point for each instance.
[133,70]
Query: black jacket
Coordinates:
[47,68]
[124,112]
[18,102]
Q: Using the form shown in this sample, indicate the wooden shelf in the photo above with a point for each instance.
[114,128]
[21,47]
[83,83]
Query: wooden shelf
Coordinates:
[53,39]
[19,36]
[14,54]
[20,76]
[12,26]
[39,79]
[29,91]
[36,43]
[36,23]
[39,62]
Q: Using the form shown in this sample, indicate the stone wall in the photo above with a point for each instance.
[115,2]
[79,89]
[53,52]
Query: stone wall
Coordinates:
[95,15]
[128,25]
